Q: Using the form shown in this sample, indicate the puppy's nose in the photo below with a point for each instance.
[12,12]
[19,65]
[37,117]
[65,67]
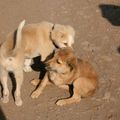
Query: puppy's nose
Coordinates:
[46,64]
[48,68]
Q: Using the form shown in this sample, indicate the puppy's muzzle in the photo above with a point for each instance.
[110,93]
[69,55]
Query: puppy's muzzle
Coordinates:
[47,66]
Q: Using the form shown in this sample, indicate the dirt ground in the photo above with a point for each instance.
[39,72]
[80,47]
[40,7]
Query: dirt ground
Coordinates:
[97,26]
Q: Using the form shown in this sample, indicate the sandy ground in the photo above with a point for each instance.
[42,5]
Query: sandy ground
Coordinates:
[97,25]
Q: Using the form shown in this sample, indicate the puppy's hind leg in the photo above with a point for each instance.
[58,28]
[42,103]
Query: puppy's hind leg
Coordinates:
[4,78]
[19,81]
[74,99]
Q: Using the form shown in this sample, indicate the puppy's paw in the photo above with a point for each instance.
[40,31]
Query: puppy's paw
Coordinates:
[35,94]
[61,102]
[35,82]
[27,69]
[18,102]
[5,99]
[68,101]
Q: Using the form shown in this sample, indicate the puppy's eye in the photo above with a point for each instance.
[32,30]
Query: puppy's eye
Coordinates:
[59,61]
[62,36]
[65,44]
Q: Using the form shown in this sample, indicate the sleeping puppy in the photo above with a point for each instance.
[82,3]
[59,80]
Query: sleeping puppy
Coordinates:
[65,69]
[29,41]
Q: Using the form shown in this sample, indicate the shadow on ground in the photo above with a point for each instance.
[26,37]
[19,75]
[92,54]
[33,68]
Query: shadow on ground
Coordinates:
[12,76]
[39,66]
[2,116]
[118,49]
[111,13]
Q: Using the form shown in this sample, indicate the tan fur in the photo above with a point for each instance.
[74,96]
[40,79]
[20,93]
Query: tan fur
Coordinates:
[65,69]
[65,34]
[31,40]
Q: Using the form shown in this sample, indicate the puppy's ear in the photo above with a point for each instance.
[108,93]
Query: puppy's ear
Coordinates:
[72,63]
[71,30]
[59,27]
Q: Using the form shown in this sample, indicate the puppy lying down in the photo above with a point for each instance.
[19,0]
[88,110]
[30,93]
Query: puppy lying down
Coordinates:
[65,69]
[27,42]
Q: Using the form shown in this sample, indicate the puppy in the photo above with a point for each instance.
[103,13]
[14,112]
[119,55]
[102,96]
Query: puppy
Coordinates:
[30,41]
[65,69]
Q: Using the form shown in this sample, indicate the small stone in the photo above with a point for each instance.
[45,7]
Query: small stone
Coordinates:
[107,96]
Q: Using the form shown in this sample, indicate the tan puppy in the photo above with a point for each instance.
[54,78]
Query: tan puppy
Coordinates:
[30,41]
[65,69]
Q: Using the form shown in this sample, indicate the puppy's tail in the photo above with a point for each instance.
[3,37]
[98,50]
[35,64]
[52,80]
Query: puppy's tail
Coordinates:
[19,35]
[11,54]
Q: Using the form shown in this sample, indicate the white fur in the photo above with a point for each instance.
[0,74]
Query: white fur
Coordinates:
[9,63]
[27,67]
[70,41]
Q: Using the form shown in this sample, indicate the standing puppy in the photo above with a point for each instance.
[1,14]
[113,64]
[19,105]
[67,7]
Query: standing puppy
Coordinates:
[30,41]
[11,61]
[65,69]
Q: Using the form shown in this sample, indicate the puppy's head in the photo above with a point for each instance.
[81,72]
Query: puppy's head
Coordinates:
[63,61]
[63,36]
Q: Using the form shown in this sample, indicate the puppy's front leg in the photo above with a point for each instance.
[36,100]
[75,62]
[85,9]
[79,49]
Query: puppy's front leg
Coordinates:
[74,99]
[35,82]
[4,78]
[19,79]
[40,88]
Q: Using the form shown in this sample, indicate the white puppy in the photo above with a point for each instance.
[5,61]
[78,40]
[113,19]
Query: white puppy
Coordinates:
[30,41]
